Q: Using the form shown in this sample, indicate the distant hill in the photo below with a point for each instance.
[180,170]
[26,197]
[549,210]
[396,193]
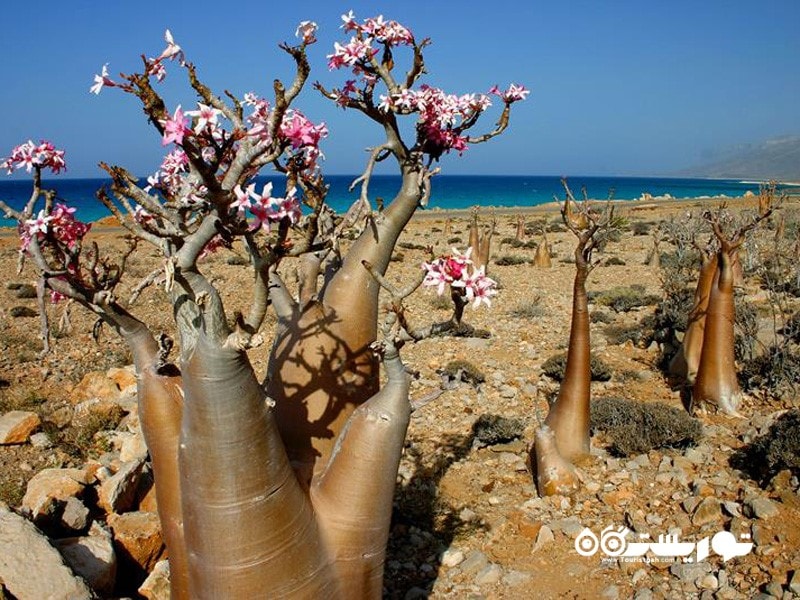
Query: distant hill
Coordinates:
[778,158]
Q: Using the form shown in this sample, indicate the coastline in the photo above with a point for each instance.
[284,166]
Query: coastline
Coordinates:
[646,202]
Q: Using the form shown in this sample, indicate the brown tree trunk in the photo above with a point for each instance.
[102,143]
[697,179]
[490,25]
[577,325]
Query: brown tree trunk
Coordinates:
[685,362]
[321,366]
[353,495]
[247,521]
[554,474]
[542,256]
[716,374]
[569,416]
[520,234]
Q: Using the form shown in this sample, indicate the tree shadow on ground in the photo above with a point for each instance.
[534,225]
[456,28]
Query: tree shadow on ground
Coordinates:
[423,523]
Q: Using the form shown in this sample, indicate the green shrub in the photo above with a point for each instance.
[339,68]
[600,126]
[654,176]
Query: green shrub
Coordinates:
[636,427]
[600,316]
[776,370]
[411,246]
[619,334]
[237,260]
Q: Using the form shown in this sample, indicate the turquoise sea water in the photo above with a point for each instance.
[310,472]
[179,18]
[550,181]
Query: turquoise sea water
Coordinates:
[448,191]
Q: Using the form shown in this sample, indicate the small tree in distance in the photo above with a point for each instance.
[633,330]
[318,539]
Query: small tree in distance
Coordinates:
[281,485]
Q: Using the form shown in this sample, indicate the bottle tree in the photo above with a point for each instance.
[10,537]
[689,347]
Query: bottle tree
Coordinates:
[715,381]
[277,484]
[563,438]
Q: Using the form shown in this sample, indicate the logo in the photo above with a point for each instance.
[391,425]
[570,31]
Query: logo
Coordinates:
[614,543]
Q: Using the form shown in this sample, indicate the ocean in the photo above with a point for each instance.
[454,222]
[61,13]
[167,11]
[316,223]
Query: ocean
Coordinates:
[448,191]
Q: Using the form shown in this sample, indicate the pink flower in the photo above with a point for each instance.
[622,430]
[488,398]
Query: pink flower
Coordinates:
[206,117]
[38,226]
[29,155]
[140,215]
[102,80]
[356,50]
[298,130]
[156,68]
[172,51]
[306,31]
[457,271]
[478,288]
[514,93]
[242,202]
[175,128]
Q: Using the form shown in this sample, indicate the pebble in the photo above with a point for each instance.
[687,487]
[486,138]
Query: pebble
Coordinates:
[760,508]
[490,574]
[774,588]
[452,557]
[41,440]
[794,583]
[544,537]
[513,578]
[610,593]
[689,572]
[706,512]
[474,562]
[708,582]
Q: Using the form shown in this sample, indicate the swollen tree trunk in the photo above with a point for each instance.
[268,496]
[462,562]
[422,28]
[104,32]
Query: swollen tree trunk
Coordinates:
[685,362]
[520,233]
[353,496]
[716,380]
[321,366]
[248,523]
[554,474]
[569,416]
[542,256]
[480,242]
[160,400]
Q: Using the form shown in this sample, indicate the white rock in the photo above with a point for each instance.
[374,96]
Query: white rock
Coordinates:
[118,493]
[92,557]
[156,586]
[452,557]
[30,568]
[489,574]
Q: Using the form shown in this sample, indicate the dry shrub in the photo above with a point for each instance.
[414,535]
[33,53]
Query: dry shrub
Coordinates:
[637,427]
[463,370]
[772,452]
[489,430]
[554,367]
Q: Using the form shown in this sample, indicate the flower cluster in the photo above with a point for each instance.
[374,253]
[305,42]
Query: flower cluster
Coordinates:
[442,115]
[264,207]
[60,224]
[359,49]
[29,155]
[458,271]
[514,93]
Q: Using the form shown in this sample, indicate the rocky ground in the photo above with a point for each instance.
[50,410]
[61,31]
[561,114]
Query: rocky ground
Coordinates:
[468,520]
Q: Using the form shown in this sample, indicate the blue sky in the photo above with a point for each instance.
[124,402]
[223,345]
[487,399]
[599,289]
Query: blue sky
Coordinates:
[618,87]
